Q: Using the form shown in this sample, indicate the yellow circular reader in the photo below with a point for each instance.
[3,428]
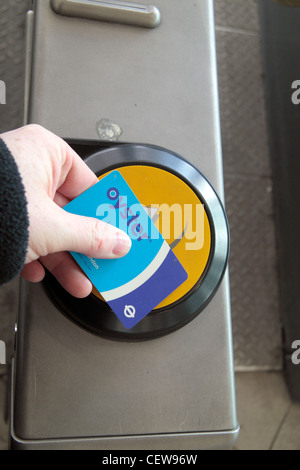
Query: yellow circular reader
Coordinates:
[187,211]
[179,215]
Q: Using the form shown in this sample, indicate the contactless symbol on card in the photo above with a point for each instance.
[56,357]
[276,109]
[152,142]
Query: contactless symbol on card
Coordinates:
[138,282]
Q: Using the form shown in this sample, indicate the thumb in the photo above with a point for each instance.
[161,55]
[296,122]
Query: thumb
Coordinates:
[86,235]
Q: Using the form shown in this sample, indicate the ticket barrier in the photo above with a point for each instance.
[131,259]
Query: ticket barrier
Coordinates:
[80,379]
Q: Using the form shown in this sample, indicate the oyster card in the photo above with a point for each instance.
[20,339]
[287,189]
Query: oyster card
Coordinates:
[135,284]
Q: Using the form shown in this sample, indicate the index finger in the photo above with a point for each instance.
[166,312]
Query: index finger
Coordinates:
[78,178]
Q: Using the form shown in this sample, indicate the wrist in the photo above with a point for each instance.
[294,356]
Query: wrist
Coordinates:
[14,221]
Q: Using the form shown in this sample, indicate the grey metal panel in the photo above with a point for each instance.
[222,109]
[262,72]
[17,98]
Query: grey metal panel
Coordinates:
[28,61]
[202,441]
[69,383]
[150,82]
[12,51]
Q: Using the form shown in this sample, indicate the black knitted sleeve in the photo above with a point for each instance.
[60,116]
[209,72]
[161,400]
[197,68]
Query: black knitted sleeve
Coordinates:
[14,220]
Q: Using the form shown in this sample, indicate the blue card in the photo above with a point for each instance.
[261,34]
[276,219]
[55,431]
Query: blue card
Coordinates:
[135,284]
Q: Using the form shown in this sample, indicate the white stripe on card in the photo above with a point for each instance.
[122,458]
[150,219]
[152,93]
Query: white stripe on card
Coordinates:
[141,278]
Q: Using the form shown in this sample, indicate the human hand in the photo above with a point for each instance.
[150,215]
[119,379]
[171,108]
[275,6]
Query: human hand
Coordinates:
[53,174]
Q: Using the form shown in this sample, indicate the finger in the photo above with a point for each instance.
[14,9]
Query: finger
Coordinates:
[60,200]
[86,235]
[33,272]
[76,175]
[68,274]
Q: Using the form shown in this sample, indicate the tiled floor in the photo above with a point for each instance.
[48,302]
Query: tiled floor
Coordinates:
[248,186]
[268,419]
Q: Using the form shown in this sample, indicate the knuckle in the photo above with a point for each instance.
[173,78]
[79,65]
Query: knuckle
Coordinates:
[35,128]
[96,236]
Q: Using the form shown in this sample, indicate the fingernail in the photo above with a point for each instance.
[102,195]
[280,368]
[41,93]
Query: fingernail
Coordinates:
[122,244]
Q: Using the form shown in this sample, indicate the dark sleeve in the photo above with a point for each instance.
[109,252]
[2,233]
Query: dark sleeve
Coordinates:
[14,220]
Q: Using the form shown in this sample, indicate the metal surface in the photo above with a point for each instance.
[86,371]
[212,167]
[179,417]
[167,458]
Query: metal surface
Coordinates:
[28,61]
[147,16]
[70,383]
[141,89]
[176,441]
[247,171]
[12,52]
[96,316]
